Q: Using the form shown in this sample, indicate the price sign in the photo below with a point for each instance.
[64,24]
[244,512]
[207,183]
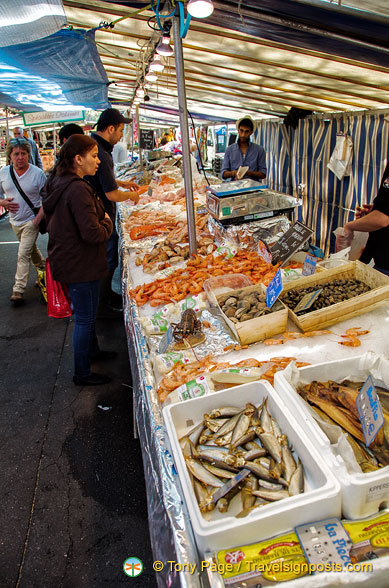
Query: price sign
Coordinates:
[146,139]
[307,300]
[290,242]
[369,410]
[325,542]
[274,289]
[309,266]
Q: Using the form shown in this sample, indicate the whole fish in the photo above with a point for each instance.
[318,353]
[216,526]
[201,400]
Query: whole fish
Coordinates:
[204,497]
[248,436]
[266,420]
[223,503]
[250,484]
[271,495]
[296,484]
[228,426]
[220,471]
[254,454]
[195,433]
[275,469]
[272,444]
[288,463]
[214,424]
[262,473]
[224,411]
[199,472]
[253,444]
[269,485]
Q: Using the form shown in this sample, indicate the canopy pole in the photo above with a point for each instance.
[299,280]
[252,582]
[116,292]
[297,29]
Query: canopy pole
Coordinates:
[6,122]
[183,111]
[139,147]
[54,143]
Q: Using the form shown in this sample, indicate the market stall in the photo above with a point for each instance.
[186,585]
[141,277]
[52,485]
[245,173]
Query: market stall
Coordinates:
[179,379]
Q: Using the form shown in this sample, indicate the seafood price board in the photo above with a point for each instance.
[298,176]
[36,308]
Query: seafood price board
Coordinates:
[290,242]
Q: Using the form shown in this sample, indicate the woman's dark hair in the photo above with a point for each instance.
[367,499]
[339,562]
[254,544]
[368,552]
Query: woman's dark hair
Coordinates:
[75,145]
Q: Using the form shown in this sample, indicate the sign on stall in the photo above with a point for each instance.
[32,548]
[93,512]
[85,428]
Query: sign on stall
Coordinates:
[42,117]
[146,140]
[290,242]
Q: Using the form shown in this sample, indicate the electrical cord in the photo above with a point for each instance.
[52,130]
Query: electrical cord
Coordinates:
[198,149]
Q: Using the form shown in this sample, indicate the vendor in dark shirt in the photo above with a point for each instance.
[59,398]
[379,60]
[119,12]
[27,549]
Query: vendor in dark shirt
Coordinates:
[374,219]
[244,153]
[109,131]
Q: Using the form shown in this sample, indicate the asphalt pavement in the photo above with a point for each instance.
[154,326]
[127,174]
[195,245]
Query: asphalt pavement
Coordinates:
[72,488]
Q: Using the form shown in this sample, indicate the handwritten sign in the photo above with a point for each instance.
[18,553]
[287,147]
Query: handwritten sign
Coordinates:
[274,289]
[290,242]
[369,410]
[307,300]
[146,139]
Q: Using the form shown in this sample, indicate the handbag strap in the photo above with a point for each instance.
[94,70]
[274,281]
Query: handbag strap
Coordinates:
[22,194]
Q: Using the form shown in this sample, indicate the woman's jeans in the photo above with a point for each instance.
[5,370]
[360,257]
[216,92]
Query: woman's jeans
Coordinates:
[84,297]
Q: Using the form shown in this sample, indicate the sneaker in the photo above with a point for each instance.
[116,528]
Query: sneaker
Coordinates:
[103,355]
[92,380]
[17,298]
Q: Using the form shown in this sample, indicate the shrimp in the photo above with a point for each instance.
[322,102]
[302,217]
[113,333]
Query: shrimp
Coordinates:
[316,333]
[350,342]
[356,332]
[274,341]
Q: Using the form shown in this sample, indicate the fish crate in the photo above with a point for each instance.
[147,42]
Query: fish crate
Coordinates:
[363,494]
[320,499]
[262,327]
[347,309]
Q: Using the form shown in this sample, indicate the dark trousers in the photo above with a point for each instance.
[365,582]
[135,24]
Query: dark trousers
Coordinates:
[84,297]
[113,251]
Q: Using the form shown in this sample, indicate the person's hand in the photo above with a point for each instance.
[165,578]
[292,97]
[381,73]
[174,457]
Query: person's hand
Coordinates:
[9,204]
[134,197]
[130,185]
[35,222]
[363,210]
[233,174]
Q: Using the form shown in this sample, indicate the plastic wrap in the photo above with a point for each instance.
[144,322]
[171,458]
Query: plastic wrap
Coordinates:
[247,235]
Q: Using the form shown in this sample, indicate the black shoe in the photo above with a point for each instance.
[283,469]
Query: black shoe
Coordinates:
[103,355]
[91,380]
[115,300]
[107,312]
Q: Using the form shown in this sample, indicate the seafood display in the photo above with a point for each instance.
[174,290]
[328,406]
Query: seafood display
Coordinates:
[183,373]
[241,305]
[331,293]
[188,331]
[336,404]
[241,451]
[190,280]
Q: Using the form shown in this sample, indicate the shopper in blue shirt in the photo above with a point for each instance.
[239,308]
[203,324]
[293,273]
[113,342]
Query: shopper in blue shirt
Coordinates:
[244,153]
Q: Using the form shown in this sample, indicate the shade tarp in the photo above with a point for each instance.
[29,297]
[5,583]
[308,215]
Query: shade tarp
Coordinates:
[53,73]
[23,21]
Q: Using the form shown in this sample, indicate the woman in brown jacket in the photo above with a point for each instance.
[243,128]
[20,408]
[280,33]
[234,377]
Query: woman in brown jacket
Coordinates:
[78,229]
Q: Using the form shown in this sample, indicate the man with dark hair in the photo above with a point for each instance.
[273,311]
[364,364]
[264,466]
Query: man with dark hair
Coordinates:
[109,131]
[67,131]
[244,153]
[34,157]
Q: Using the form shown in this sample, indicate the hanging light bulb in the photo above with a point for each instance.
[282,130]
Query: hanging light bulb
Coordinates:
[200,8]
[164,47]
[156,64]
[151,77]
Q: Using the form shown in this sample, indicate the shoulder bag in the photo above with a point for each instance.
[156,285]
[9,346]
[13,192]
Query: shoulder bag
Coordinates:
[35,209]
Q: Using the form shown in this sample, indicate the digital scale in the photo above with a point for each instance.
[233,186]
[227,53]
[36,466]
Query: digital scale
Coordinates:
[246,200]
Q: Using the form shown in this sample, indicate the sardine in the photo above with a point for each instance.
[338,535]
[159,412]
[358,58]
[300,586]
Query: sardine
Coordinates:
[199,472]
[275,469]
[288,463]
[253,444]
[296,484]
[271,495]
[250,484]
[242,440]
[228,426]
[194,434]
[259,471]
[266,420]
[204,497]
[223,503]
[224,461]
[276,428]
[188,449]
[254,454]
[269,485]
[223,441]
[225,411]
[271,443]
[220,471]
[214,424]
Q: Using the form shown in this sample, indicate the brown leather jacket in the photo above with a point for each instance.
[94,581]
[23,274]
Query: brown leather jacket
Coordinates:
[78,229]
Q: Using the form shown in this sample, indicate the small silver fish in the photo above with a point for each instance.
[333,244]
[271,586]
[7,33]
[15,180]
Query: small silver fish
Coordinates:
[199,472]
[228,426]
[240,429]
[271,495]
[220,472]
[225,411]
[288,463]
[266,420]
[296,484]
[271,443]
[214,424]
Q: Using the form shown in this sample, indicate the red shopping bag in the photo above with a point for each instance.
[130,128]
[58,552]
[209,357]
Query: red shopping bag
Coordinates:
[58,299]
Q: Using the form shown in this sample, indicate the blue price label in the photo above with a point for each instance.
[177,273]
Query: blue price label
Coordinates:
[274,289]
[309,266]
[370,411]
[166,340]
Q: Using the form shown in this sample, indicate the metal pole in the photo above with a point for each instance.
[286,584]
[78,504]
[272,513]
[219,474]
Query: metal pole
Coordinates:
[54,143]
[139,148]
[183,111]
[6,122]
[132,141]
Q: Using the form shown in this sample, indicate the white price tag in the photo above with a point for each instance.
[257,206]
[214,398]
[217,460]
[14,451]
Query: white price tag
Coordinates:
[369,410]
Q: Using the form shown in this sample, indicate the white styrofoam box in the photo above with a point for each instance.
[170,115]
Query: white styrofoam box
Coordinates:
[320,500]
[362,494]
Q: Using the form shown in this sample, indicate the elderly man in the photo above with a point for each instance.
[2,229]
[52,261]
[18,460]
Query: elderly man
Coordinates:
[109,131]
[35,157]
[244,153]
[23,221]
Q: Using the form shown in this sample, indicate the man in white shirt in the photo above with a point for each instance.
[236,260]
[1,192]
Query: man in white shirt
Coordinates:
[34,156]
[23,221]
